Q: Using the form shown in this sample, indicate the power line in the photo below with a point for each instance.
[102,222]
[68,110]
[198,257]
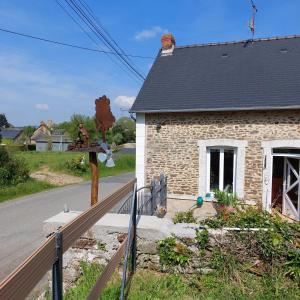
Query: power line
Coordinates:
[97,31]
[92,14]
[70,45]
[79,11]
[96,43]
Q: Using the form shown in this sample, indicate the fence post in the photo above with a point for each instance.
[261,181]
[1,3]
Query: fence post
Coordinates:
[152,190]
[133,247]
[57,278]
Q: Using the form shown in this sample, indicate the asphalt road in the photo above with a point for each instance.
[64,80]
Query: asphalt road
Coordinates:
[21,220]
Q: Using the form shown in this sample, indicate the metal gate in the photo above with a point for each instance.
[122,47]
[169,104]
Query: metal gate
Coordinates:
[291,187]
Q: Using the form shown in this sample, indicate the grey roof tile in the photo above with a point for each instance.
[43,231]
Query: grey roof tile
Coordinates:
[258,75]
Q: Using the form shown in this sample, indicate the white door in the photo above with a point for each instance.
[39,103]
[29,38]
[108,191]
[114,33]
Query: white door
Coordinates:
[291,187]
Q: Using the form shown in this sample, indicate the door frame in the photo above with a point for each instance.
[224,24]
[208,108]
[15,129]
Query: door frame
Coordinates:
[268,147]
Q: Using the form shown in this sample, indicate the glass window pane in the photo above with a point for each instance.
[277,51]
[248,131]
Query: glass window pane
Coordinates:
[228,170]
[214,168]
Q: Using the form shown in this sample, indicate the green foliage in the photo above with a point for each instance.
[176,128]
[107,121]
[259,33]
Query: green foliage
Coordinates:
[184,217]
[172,252]
[149,285]
[225,198]
[224,263]
[12,169]
[123,131]
[202,239]
[31,186]
[78,165]
[27,133]
[3,121]
[72,126]
[118,138]
[250,217]
[292,266]
[85,283]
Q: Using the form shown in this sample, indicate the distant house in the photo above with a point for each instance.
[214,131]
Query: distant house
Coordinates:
[223,116]
[11,135]
[56,141]
[42,129]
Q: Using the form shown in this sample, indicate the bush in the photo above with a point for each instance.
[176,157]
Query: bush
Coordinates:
[172,252]
[184,217]
[14,147]
[12,170]
[225,198]
[78,165]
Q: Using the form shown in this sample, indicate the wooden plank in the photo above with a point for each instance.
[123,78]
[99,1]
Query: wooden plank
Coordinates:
[95,177]
[107,272]
[73,230]
[26,276]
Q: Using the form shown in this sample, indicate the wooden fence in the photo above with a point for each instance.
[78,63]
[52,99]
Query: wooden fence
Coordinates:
[21,281]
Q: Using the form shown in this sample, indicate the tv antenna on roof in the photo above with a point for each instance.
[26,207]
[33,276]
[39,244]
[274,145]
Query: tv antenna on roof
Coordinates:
[252,20]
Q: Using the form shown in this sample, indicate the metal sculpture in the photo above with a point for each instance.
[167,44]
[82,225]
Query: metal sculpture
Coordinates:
[82,137]
[104,116]
[104,120]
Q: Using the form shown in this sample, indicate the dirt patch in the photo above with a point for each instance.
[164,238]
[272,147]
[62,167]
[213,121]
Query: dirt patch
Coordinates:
[55,178]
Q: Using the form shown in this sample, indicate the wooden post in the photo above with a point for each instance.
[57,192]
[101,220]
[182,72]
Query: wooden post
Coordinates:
[94,171]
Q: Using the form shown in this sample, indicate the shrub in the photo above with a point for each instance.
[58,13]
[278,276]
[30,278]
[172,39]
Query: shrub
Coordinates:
[172,252]
[78,165]
[12,170]
[202,239]
[184,217]
[225,198]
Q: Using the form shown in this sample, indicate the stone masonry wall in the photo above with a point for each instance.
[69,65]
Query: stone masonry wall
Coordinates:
[173,149]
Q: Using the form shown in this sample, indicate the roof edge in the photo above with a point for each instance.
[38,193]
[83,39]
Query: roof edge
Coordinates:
[240,42]
[218,109]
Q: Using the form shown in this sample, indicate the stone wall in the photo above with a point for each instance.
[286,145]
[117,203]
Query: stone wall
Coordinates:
[173,149]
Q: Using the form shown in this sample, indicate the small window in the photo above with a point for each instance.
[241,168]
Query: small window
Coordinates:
[221,167]
[225,55]
[284,50]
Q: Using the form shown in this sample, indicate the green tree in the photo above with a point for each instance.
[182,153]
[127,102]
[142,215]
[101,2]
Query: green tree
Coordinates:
[3,121]
[72,126]
[123,131]
[27,133]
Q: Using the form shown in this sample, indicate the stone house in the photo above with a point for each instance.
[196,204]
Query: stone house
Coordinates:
[57,140]
[223,115]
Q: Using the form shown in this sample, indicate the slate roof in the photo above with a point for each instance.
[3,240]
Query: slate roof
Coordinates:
[263,74]
[56,137]
[10,133]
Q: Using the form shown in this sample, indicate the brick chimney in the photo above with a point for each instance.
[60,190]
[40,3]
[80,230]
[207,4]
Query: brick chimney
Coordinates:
[167,44]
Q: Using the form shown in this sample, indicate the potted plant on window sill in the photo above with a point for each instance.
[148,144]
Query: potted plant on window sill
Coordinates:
[226,202]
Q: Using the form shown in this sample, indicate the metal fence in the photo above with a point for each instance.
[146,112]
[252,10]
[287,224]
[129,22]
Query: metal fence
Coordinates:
[143,201]
[149,198]
[50,254]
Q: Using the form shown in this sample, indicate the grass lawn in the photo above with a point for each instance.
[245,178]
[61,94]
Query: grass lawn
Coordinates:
[149,285]
[57,161]
[22,189]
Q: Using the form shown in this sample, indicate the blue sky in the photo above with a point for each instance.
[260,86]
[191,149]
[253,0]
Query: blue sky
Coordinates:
[39,81]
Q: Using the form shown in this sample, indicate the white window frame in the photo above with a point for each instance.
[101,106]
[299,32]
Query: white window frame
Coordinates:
[240,146]
[221,167]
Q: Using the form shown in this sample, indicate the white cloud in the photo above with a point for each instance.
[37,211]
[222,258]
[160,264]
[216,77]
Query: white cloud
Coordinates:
[42,106]
[124,101]
[149,33]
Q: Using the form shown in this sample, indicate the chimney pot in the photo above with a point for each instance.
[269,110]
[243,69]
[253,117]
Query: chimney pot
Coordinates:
[167,43]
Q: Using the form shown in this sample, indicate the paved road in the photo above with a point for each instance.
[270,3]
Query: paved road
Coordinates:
[21,220]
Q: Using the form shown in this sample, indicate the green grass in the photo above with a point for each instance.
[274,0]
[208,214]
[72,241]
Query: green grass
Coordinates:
[22,189]
[56,161]
[149,285]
